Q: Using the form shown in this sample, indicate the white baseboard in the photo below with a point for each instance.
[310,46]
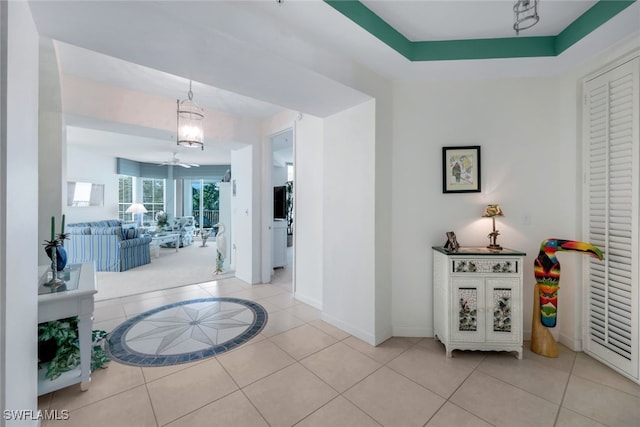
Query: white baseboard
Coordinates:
[414,332]
[574,344]
[309,301]
[364,336]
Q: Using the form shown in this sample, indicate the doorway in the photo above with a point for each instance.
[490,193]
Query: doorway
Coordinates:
[282,189]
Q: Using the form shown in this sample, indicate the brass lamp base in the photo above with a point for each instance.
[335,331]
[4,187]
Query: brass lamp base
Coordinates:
[495,247]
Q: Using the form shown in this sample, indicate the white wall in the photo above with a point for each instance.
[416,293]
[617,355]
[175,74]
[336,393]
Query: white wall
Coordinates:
[570,318]
[349,221]
[51,144]
[85,165]
[308,190]
[529,132]
[528,167]
[242,213]
[19,243]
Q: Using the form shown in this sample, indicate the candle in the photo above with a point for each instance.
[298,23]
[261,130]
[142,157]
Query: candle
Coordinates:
[53,228]
[62,229]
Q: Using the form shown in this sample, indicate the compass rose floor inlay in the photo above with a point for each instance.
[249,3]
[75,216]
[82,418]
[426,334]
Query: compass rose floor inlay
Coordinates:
[186,331]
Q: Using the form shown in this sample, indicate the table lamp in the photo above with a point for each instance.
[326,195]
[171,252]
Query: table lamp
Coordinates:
[491,211]
[137,209]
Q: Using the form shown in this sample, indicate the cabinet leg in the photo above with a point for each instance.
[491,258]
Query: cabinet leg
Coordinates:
[84,385]
[449,353]
[519,354]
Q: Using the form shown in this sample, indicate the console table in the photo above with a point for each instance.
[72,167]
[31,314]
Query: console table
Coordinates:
[75,298]
[477,299]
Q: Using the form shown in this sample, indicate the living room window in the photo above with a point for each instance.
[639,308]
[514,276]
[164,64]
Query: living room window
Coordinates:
[153,196]
[125,196]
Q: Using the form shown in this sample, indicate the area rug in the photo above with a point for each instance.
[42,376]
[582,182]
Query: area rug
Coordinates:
[186,331]
[189,265]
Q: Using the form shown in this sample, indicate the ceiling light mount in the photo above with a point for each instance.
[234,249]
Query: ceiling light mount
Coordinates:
[190,123]
[525,15]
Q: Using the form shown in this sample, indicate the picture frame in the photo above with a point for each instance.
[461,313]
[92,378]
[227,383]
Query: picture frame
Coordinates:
[461,169]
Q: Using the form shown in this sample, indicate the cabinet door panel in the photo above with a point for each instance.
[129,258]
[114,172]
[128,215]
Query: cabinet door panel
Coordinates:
[502,299]
[467,310]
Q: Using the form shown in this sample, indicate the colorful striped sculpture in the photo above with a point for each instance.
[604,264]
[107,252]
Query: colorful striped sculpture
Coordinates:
[546,269]
[547,272]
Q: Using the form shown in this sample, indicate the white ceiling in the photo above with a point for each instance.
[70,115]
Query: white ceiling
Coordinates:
[472,19]
[269,56]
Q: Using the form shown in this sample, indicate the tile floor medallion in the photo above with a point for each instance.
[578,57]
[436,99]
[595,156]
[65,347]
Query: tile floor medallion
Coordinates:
[186,331]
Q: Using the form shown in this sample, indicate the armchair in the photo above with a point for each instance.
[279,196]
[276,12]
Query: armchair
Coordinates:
[185,226]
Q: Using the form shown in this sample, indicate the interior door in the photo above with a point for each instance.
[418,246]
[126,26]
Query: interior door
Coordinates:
[611,151]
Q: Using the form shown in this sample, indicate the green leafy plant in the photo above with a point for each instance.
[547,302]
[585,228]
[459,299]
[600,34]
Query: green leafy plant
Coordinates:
[67,356]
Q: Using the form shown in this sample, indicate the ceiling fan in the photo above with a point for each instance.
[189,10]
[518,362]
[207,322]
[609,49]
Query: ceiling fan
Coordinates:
[174,161]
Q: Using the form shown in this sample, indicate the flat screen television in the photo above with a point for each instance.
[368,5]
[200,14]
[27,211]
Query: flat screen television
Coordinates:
[280,202]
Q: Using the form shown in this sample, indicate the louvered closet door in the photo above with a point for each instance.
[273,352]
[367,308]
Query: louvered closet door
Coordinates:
[611,156]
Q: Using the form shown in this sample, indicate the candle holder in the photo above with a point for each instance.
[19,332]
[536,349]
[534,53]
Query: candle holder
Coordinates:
[51,249]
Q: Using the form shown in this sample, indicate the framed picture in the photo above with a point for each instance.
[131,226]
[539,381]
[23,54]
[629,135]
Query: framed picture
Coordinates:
[461,169]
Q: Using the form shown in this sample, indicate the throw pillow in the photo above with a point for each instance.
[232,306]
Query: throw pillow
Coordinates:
[129,233]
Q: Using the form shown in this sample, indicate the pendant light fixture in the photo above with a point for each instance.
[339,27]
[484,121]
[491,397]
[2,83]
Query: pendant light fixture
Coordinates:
[526,15]
[190,123]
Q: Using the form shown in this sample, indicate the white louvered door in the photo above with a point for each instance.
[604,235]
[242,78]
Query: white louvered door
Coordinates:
[611,154]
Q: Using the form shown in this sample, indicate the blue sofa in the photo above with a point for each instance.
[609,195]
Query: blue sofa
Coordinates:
[108,244]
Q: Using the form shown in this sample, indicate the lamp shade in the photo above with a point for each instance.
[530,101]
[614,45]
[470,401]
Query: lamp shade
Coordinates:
[492,210]
[136,208]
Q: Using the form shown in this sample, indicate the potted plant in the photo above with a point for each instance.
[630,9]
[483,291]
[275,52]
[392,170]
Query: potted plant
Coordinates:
[59,347]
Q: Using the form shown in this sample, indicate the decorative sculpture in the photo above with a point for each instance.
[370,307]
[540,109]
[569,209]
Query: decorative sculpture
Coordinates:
[221,247]
[204,235]
[546,270]
[452,244]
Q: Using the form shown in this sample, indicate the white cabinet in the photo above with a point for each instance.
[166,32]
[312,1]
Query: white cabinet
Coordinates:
[279,243]
[477,299]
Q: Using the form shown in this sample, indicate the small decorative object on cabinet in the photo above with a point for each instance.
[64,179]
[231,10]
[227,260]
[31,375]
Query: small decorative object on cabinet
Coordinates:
[477,299]
[452,244]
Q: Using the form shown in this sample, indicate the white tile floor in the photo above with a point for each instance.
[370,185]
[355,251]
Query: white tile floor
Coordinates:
[302,371]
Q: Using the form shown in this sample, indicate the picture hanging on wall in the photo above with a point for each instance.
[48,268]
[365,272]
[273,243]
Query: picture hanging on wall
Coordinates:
[461,169]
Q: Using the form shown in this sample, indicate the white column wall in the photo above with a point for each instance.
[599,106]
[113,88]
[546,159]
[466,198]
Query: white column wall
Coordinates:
[309,209]
[242,245]
[52,146]
[19,243]
[349,221]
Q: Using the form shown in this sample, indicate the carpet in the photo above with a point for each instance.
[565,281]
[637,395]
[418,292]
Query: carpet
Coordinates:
[191,264]
[186,331]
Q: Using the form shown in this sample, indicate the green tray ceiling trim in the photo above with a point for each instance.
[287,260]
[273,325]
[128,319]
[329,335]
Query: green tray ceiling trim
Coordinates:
[372,23]
[599,13]
[511,47]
